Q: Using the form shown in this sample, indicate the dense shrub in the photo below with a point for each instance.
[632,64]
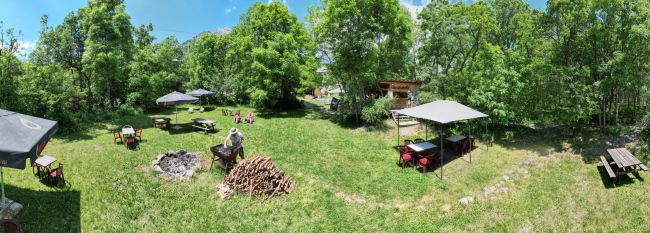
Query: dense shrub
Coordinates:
[376,110]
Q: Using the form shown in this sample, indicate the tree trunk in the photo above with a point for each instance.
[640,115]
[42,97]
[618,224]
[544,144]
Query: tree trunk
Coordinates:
[617,99]
[604,111]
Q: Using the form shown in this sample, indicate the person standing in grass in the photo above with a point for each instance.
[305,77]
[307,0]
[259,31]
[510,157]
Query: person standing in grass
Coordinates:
[236,138]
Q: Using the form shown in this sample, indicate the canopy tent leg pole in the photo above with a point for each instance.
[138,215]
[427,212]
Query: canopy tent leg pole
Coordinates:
[442,149]
[177,127]
[426,131]
[469,141]
[398,132]
[4,201]
[487,144]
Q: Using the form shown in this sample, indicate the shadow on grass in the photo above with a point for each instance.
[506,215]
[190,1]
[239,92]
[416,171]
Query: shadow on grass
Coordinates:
[89,131]
[587,141]
[449,156]
[275,114]
[620,179]
[57,211]
[323,113]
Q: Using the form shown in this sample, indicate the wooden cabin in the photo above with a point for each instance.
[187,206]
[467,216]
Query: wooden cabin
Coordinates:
[398,89]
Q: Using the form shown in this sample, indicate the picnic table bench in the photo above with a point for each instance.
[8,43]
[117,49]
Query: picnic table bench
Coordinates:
[203,124]
[625,163]
[609,170]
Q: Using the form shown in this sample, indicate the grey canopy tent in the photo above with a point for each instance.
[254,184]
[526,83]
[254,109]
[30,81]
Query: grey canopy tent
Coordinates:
[21,137]
[443,112]
[176,98]
[200,93]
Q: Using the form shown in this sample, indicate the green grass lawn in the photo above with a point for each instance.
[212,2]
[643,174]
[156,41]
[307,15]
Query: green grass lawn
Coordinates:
[347,180]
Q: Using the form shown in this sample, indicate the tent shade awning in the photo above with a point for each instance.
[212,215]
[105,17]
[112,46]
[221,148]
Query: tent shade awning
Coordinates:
[23,136]
[176,98]
[442,111]
[200,92]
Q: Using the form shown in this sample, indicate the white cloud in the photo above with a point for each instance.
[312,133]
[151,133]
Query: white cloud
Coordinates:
[284,2]
[414,8]
[24,47]
[230,9]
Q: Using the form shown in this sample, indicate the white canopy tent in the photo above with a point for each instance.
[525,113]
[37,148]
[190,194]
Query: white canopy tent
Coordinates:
[442,111]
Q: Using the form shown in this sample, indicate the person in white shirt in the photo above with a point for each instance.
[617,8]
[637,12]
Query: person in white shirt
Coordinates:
[236,138]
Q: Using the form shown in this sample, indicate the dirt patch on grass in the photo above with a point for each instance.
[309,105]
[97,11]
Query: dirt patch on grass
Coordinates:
[409,130]
[99,148]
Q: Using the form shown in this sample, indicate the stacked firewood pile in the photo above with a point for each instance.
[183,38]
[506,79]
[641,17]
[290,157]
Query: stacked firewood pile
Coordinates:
[258,175]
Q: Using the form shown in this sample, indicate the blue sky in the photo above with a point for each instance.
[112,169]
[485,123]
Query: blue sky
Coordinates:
[183,19]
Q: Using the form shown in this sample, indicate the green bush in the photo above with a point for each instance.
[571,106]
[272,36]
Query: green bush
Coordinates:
[376,110]
[427,97]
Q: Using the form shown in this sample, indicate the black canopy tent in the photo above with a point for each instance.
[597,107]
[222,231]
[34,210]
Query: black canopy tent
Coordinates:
[443,112]
[200,93]
[21,137]
[176,98]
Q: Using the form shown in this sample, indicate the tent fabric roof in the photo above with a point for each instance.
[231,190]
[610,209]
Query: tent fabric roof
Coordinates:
[442,111]
[200,92]
[23,136]
[176,98]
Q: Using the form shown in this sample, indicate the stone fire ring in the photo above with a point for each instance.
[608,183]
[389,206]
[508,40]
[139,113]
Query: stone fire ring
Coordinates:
[179,165]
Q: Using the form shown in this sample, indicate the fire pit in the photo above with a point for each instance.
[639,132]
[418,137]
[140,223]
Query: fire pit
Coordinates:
[177,165]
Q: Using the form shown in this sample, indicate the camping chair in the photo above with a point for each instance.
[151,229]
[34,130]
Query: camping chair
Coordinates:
[38,168]
[462,147]
[55,175]
[116,135]
[201,109]
[433,157]
[138,133]
[418,140]
[249,118]
[9,225]
[165,125]
[406,143]
[154,122]
[237,117]
[224,112]
[127,126]
[190,110]
[128,140]
[405,156]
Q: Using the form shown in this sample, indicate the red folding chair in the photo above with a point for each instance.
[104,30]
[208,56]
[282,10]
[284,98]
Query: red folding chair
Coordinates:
[11,226]
[55,175]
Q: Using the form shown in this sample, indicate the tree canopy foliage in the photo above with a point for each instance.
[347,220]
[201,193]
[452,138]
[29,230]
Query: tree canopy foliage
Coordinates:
[580,61]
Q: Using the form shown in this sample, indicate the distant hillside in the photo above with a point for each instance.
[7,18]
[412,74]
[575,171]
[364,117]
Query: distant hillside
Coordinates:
[218,32]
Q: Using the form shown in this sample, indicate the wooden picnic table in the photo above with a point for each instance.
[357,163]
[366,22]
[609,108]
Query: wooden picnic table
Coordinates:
[625,161]
[205,125]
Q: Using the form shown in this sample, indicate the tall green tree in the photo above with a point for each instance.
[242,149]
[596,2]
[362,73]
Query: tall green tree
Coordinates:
[279,55]
[109,49]
[152,71]
[97,43]
[368,40]
[10,67]
[214,63]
